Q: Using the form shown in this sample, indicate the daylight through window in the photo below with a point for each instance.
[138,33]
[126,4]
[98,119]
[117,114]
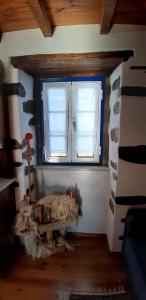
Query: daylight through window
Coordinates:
[72,121]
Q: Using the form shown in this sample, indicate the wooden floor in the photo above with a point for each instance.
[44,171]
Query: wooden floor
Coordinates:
[88,268]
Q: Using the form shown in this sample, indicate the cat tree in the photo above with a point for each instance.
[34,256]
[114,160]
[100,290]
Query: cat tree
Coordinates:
[42,224]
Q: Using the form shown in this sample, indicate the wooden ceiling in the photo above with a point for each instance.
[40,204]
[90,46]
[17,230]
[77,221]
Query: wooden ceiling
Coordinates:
[77,64]
[47,14]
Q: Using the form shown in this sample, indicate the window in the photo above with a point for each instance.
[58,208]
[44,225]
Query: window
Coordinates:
[72,121]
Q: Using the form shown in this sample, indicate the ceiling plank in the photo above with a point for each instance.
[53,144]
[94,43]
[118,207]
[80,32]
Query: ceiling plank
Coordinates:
[17,15]
[108,10]
[41,16]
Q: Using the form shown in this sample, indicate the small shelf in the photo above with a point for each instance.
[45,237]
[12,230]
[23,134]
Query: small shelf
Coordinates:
[5,182]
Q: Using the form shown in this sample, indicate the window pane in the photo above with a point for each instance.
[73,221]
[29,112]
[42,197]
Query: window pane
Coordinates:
[86,105]
[85,154]
[71,121]
[86,99]
[57,143]
[85,122]
[57,122]
[57,154]
[86,143]
[57,99]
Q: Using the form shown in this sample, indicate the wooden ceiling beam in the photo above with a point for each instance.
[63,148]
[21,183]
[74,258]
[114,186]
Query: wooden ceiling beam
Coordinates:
[108,10]
[41,16]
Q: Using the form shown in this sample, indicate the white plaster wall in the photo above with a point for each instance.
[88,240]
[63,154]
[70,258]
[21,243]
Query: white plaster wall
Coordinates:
[131,179]
[130,76]
[71,39]
[110,228]
[118,228]
[113,123]
[133,120]
[93,184]
[132,123]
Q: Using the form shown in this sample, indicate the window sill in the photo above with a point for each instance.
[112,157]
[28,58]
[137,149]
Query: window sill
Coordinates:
[73,168]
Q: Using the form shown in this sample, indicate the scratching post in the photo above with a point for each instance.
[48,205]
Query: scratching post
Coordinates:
[13,93]
[28,137]
[55,212]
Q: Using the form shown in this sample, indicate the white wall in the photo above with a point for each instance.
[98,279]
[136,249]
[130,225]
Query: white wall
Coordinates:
[78,38]
[93,184]
[131,122]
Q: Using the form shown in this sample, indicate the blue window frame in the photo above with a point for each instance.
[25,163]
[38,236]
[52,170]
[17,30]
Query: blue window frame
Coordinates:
[41,82]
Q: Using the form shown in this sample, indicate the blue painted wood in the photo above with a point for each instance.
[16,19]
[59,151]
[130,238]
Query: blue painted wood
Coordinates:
[40,115]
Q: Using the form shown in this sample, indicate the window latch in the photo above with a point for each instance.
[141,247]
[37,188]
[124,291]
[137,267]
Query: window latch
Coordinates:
[74,125]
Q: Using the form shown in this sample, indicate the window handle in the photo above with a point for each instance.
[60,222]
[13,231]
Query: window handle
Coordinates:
[74,125]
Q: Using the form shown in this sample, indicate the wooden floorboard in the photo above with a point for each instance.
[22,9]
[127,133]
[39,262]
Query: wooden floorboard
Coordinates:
[88,268]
